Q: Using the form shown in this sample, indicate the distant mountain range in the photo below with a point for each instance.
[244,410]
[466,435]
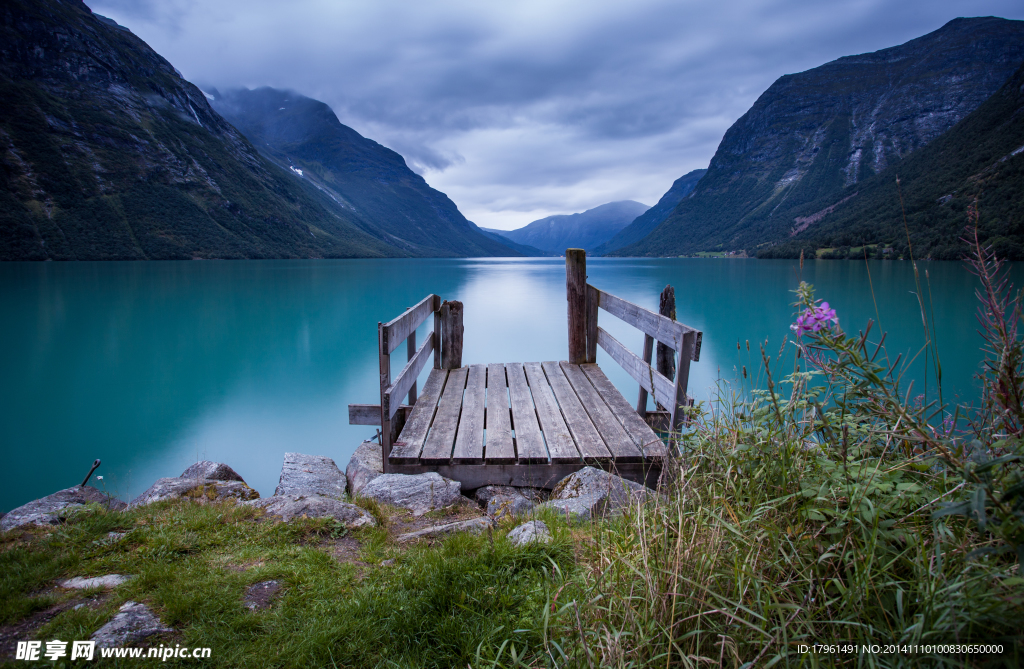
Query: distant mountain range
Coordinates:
[800,156]
[643,224]
[108,154]
[391,202]
[586,230]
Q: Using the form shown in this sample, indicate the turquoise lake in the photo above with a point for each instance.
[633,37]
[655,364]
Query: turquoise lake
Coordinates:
[150,366]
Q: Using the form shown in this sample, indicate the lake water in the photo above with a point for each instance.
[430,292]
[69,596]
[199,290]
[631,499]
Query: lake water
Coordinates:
[153,365]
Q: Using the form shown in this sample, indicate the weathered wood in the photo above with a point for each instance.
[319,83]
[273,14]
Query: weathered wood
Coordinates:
[410,351]
[576,295]
[451,334]
[369,414]
[641,401]
[658,420]
[441,438]
[682,378]
[588,440]
[529,440]
[593,297]
[498,447]
[561,447]
[410,442]
[384,360]
[619,444]
[661,328]
[437,332]
[642,435]
[406,378]
[657,385]
[534,476]
[469,442]
[398,329]
[666,356]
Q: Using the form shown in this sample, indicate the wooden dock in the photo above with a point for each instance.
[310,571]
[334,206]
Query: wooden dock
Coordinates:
[533,423]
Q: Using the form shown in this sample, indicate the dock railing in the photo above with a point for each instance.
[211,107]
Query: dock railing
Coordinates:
[444,341]
[585,335]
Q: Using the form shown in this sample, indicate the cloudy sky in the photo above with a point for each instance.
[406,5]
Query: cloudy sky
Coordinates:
[519,110]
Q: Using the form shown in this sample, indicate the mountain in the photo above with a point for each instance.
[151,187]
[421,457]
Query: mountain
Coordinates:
[107,153]
[815,135]
[982,158]
[643,224]
[586,230]
[304,136]
[529,251]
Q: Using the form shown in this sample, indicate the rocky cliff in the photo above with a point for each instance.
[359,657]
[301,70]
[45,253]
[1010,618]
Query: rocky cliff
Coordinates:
[395,204]
[815,135]
[107,153]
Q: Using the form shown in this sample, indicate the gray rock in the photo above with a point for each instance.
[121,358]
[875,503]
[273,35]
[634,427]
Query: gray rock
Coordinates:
[475,525]
[419,493]
[288,507]
[200,490]
[366,464]
[577,509]
[50,509]
[108,581]
[133,622]
[259,596]
[533,531]
[503,500]
[310,475]
[214,471]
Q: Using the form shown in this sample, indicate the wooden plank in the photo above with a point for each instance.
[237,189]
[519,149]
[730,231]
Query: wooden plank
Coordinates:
[384,366]
[369,414]
[576,296]
[398,329]
[619,443]
[499,448]
[535,476]
[639,431]
[469,442]
[529,439]
[414,434]
[588,440]
[561,447]
[641,401]
[438,447]
[407,377]
[657,385]
[663,329]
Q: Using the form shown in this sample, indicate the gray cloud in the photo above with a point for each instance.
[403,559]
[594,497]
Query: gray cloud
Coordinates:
[522,110]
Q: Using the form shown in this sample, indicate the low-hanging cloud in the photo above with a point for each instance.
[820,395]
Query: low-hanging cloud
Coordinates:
[522,110]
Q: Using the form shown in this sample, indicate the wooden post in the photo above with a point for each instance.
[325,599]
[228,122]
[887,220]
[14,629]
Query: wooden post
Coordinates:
[451,334]
[410,349]
[666,356]
[593,298]
[576,294]
[641,402]
[437,332]
[385,382]
[682,379]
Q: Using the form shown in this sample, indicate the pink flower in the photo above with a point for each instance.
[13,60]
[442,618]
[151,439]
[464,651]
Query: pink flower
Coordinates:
[814,319]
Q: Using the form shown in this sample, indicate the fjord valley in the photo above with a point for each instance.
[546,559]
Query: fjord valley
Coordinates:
[109,154]
[813,163]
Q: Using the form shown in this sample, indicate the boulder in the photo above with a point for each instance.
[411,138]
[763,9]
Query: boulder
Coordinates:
[108,581]
[533,531]
[200,490]
[419,493]
[502,500]
[310,475]
[50,509]
[475,525]
[591,493]
[366,464]
[214,471]
[288,507]
[132,623]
